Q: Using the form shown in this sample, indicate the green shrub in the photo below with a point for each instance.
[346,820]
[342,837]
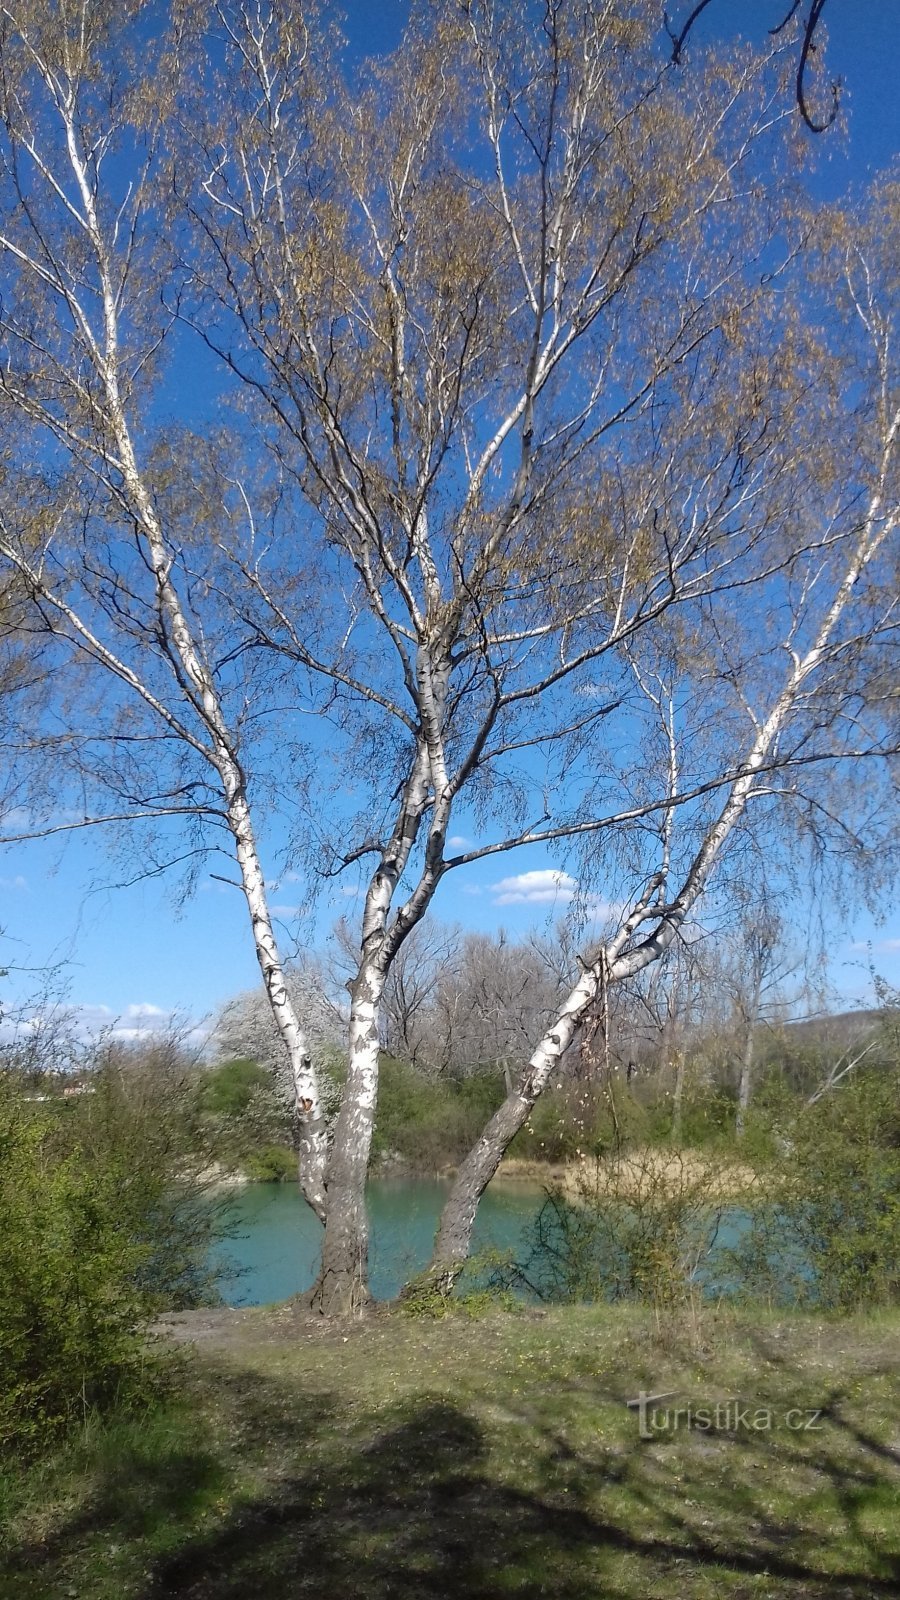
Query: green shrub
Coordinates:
[275,1163]
[708,1118]
[638,1224]
[69,1299]
[227,1089]
[485,1283]
[101,1228]
[826,1231]
[430,1121]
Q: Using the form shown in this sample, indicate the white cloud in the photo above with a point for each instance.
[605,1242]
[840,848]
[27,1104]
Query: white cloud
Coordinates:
[350,890]
[458,841]
[139,1020]
[89,1023]
[286,911]
[18,882]
[878,947]
[544,886]
[90,1018]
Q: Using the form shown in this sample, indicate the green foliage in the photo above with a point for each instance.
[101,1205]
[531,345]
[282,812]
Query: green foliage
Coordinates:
[102,1226]
[569,1120]
[575,1120]
[427,1297]
[551,1132]
[246,1121]
[483,1284]
[637,1226]
[826,1229]
[429,1122]
[143,1121]
[228,1089]
[274,1163]
[707,1118]
[69,1296]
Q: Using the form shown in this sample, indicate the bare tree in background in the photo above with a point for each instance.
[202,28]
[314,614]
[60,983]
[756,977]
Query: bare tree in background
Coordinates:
[754,974]
[495,1001]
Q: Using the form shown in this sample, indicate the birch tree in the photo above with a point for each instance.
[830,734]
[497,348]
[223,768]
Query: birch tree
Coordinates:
[468,296]
[93,532]
[514,313]
[545,457]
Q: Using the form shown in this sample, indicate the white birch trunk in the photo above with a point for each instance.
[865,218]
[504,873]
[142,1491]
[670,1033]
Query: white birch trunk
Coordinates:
[342,1285]
[309,1118]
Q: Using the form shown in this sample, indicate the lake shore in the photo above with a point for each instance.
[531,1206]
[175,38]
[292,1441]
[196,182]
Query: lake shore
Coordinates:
[636,1172]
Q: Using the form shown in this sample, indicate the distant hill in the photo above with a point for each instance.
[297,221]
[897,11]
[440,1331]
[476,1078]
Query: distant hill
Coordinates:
[837,1027]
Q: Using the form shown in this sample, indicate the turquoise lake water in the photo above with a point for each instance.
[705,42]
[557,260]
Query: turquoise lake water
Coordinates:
[277,1238]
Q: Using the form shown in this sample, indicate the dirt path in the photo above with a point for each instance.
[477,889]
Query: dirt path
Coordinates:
[233,1328]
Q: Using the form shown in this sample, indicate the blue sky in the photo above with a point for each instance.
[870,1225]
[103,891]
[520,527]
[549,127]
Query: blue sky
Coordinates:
[134,955]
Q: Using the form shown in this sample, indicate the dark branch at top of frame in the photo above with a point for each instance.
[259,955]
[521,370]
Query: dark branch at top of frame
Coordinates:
[808,45]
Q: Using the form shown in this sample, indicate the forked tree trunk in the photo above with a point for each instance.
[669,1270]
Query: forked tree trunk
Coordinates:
[342,1284]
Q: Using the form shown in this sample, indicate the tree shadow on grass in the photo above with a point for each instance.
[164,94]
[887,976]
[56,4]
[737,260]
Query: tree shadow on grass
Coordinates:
[415,1512]
[151,1480]
[421,1503]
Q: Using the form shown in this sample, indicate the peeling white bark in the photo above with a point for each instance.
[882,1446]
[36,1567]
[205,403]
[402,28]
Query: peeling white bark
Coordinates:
[342,1286]
[309,1113]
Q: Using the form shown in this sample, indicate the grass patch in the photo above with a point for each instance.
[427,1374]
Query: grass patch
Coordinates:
[480,1458]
